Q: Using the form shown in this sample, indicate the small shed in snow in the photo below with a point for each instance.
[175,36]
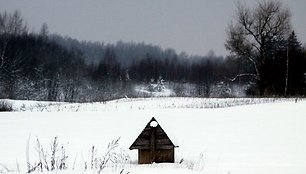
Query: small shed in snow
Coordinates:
[154,145]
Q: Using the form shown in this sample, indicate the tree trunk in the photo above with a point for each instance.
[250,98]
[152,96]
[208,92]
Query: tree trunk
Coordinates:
[287,72]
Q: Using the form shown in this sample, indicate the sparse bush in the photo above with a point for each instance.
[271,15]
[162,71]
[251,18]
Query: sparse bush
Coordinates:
[197,165]
[54,160]
[98,163]
[108,156]
[5,106]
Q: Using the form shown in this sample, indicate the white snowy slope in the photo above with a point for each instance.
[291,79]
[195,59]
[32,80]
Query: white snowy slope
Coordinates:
[254,139]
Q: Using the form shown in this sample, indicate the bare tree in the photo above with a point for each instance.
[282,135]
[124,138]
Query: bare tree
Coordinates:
[10,64]
[12,23]
[257,33]
[44,31]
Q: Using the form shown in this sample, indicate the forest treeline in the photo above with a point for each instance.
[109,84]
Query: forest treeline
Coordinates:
[43,66]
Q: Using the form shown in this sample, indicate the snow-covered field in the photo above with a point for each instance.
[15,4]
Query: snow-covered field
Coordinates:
[266,136]
[129,104]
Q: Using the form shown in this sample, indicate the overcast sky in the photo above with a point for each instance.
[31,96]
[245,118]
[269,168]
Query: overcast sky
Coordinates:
[193,26]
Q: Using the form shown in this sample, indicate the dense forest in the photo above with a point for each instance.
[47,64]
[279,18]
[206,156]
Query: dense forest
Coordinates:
[43,66]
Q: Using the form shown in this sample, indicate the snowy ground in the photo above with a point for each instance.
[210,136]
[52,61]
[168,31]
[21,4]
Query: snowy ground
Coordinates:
[130,104]
[265,138]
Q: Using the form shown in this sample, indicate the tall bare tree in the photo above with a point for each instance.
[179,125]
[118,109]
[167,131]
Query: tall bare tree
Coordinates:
[11,25]
[257,34]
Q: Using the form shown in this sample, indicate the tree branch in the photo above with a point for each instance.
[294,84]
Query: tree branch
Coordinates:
[244,75]
[2,56]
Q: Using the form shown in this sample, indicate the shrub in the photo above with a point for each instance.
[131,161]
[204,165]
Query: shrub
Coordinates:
[5,106]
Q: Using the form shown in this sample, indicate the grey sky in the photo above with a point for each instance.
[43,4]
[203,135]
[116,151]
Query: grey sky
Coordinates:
[193,26]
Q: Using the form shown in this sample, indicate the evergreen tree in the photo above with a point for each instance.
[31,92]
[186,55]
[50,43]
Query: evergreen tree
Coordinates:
[296,65]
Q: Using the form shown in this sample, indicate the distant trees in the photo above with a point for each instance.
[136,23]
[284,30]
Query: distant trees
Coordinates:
[12,23]
[12,64]
[112,68]
[110,64]
[44,31]
[32,67]
[257,35]
[40,66]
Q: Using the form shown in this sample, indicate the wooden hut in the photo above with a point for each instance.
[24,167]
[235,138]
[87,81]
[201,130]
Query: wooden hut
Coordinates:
[154,145]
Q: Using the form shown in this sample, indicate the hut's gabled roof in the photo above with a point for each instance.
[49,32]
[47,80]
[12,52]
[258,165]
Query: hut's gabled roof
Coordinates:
[162,141]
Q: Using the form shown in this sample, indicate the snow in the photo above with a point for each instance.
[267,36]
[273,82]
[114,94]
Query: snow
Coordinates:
[264,138]
[129,104]
[153,124]
[163,92]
